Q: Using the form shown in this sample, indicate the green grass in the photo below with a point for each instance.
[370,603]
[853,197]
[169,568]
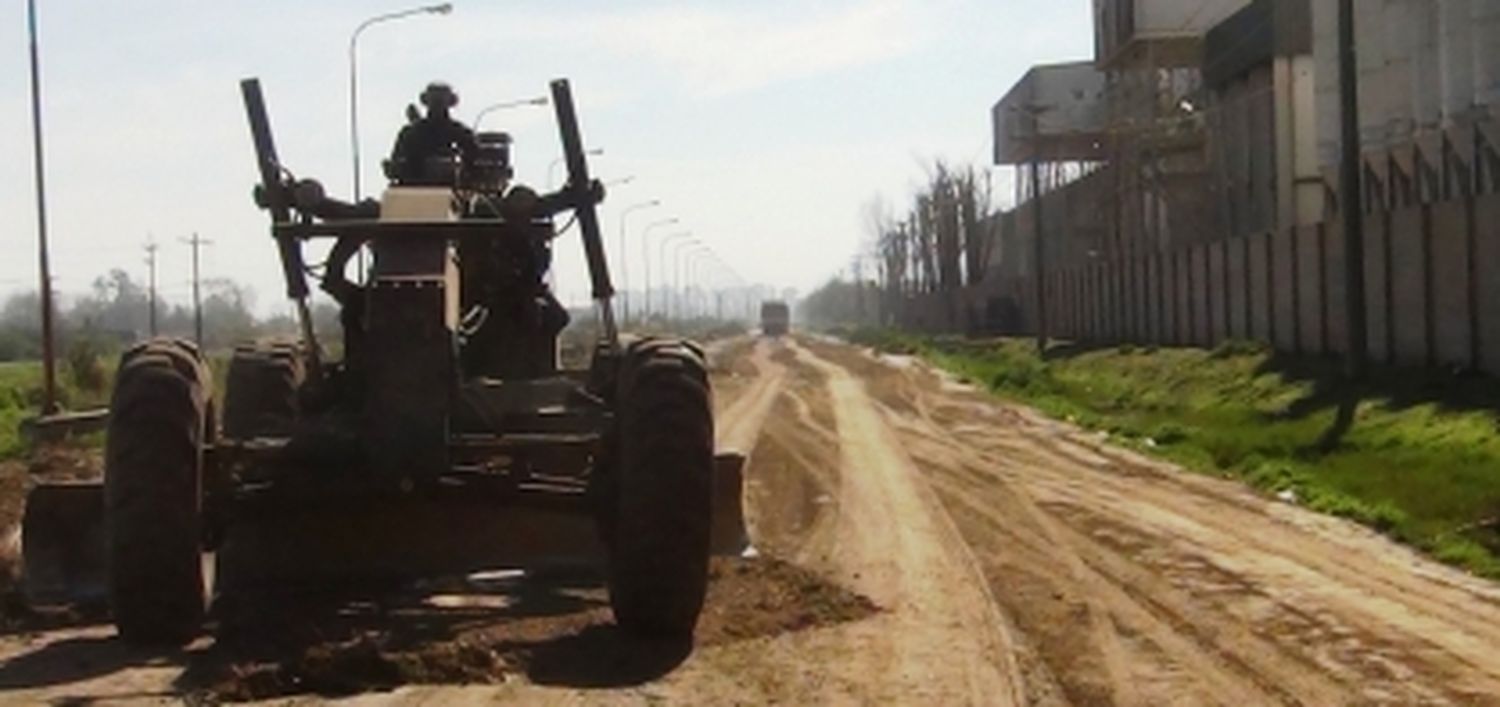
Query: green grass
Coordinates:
[1414,454]
[21,397]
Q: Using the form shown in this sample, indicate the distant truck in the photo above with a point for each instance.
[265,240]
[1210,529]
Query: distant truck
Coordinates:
[775,318]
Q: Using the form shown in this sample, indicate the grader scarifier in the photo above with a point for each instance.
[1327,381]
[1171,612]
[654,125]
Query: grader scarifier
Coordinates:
[447,438]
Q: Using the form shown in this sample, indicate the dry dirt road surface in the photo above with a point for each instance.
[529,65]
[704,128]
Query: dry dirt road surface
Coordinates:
[919,543]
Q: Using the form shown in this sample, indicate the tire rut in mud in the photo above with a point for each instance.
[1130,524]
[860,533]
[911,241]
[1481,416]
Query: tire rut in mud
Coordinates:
[1181,622]
[793,479]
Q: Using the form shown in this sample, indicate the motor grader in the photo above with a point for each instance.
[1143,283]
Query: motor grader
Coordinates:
[445,438]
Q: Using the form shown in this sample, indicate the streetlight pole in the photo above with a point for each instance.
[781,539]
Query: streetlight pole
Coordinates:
[44,291]
[354,89]
[441,9]
[735,286]
[679,254]
[695,259]
[479,117]
[646,257]
[624,272]
[661,258]
[716,287]
[671,276]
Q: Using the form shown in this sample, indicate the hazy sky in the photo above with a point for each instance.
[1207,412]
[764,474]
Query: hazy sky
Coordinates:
[763,126]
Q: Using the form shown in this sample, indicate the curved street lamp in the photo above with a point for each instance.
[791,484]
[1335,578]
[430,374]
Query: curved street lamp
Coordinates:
[680,258]
[624,271]
[479,117]
[661,259]
[675,278]
[646,239]
[690,263]
[440,9]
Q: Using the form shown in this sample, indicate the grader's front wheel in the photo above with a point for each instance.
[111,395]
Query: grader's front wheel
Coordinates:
[662,490]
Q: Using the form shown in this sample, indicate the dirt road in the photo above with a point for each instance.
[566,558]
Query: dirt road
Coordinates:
[919,543]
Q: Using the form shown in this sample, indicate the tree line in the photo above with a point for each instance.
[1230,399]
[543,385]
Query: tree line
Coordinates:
[938,244]
[116,311]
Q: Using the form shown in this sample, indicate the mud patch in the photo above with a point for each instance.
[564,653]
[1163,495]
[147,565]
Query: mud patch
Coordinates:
[766,597]
[548,628]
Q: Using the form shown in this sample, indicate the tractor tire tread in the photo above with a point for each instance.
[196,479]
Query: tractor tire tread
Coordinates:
[659,544]
[152,481]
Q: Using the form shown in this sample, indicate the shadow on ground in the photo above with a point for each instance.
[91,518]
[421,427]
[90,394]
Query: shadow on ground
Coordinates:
[552,626]
[1397,388]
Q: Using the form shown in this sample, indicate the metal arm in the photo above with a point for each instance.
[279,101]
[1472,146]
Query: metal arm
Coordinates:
[278,201]
[586,194]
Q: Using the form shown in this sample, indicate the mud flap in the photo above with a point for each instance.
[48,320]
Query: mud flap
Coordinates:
[62,543]
[728,534]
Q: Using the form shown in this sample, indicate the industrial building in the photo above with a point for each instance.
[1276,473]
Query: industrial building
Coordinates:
[1187,177]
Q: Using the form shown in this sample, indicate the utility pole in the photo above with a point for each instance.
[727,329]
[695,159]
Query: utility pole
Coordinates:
[44,274]
[1040,257]
[856,269]
[1356,360]
[151,248]
[196,242]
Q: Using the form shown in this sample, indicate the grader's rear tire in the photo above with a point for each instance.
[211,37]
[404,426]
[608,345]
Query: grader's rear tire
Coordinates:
[152,491]
[260,390]
[662,490]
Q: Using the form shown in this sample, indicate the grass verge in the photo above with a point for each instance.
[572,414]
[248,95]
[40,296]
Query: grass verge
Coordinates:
[1414,454]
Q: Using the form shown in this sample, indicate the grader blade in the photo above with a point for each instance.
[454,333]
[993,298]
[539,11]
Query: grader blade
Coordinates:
[728,535]
[62,543]
[398,538]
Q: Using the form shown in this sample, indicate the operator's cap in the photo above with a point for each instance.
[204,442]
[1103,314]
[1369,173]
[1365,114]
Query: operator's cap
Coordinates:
[439,95]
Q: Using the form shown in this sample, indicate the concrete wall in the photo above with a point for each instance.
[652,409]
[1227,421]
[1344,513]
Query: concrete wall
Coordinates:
[1336,332]
[1432,277]
[1310,312]
[1408,264]
[1452,324]
[1237,283]
[1284,290]
[1423,65]
[1377,288]
[1487,282]
[1262,321]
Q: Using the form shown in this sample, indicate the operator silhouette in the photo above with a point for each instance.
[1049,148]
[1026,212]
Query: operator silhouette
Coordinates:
[434,149]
